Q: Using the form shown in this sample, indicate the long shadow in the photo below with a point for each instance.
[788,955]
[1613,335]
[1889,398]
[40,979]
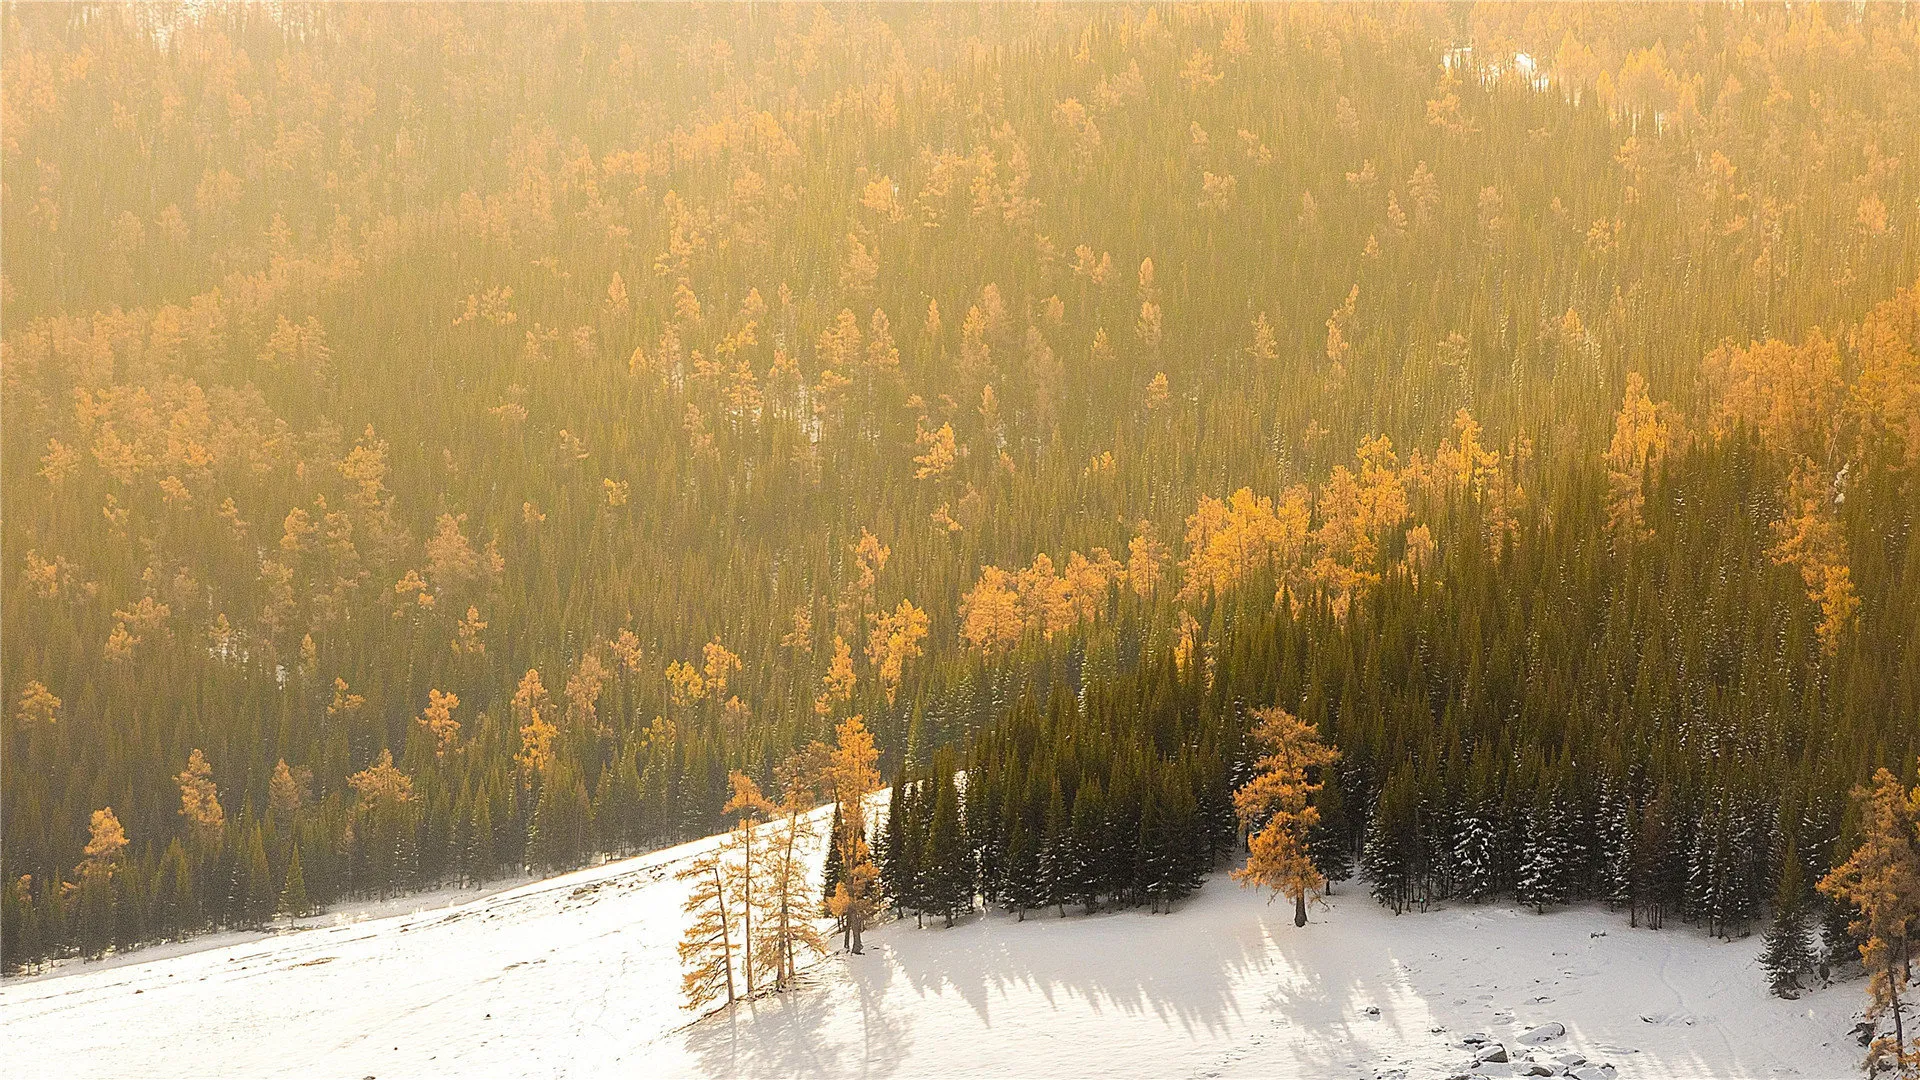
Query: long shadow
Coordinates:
[1214,970]
[797,1033]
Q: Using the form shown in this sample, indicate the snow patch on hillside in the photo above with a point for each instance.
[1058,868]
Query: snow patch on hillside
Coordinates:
[1227,986]
[576,976]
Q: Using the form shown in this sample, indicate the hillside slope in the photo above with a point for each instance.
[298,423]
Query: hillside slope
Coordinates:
[577,976]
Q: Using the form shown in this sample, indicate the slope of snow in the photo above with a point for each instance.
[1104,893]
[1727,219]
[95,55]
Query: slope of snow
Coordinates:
[1227,986]
[577,976]
[569,976]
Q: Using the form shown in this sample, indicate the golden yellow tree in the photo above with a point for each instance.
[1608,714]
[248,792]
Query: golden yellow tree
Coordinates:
[37,705]
[1275,804]
[717,664]
[792,930]
[852,775]
[199,799]
[531,711]
[894,640]
[706,949]
[1230,542]
[838,683]
[106,840]
[1146,560]
[1885,399]
[750,809]
[1642,434]
[990,613]
[1045,603]
[287,789]
[1808,537]
[1882,879]
[382,784]
[438,720]
[937,452]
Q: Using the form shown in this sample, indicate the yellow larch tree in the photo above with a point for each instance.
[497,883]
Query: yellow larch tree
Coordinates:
[532,710]
[706,948]
[799,636]
[1157,394]
[1808,537]
[717,665]
[1274,805]
[38,705]
[288,789]
[838,683]
[791,930]
[1790,394]
[583,688]
[1642,434]
[1044,601]
[1146,560]
[438,720]
[750,809]
[106,842]
[990,613]
[937,452]
[1885,399]
[382,785]
[893,641]
[199,798]
[1230,542]
[470,636]
[852,776]
[1881,879]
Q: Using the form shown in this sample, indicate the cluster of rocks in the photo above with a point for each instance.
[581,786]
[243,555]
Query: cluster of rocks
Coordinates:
[1533,1055]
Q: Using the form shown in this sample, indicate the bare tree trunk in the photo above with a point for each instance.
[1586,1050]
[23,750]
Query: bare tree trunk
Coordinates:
[1300,908]
[726,933]
[746,913]
[1895,971]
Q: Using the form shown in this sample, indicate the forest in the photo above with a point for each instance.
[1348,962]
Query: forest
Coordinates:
[447,442]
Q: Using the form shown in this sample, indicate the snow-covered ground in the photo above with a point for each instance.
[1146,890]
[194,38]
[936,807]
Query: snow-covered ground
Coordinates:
[576,976]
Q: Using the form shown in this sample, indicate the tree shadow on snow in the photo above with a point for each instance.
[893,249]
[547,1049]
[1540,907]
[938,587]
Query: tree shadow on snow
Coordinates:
[834,1024]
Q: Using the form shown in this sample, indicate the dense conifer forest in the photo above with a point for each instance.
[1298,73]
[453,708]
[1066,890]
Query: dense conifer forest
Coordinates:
[443,441]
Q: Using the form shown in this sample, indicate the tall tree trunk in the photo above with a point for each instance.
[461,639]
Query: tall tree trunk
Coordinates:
[746,910]
[726,933]
[1300,908]
[1895,976]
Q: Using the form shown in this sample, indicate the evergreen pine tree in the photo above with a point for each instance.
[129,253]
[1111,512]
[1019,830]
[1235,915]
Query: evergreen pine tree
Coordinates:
[890,852]
[1020,877]
[255,892]
[949,884]
[1787,953]
[1546,857]
[1387,863]
[1081,875]
[835,868]
[293,895]
[1056,852]
[1328,843]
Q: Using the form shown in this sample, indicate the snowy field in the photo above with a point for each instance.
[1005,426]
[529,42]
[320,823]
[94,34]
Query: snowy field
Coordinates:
[576,976]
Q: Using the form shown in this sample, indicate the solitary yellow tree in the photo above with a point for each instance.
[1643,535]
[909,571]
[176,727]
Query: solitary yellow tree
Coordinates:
[1882,879]
[106,840]
[852,776]
[752,809]
[792,930]
[706,950]
[199,799]
[1275,800]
